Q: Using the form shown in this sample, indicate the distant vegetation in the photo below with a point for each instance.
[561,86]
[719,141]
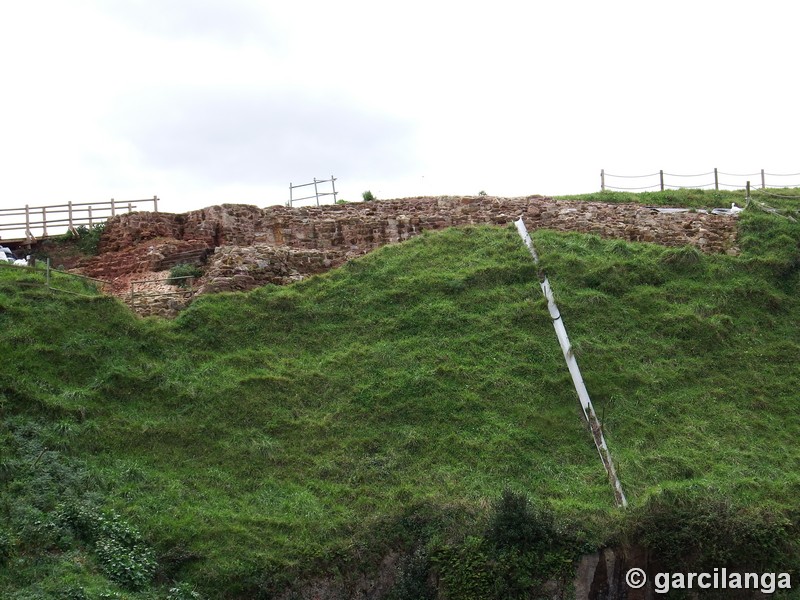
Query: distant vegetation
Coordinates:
[413,400]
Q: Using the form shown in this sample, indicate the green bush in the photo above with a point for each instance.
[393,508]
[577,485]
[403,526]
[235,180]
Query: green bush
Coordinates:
[696,529]
[123,555]
[412,581]
[521,551]
[183,270]
[368,196]
[6,547]
[517,523]
[87,239]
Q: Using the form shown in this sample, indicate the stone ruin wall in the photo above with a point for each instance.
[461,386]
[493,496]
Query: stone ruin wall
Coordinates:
[245,246]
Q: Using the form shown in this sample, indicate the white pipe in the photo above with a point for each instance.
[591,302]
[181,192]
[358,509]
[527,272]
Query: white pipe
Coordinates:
[574,371]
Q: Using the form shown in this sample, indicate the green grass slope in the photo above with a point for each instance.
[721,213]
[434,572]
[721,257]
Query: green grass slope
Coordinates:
[307,431]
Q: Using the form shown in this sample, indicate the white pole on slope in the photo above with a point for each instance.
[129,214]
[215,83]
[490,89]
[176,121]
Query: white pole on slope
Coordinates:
[575,372]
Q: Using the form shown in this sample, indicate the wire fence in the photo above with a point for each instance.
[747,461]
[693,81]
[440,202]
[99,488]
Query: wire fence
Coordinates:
[57,280]
[710,180]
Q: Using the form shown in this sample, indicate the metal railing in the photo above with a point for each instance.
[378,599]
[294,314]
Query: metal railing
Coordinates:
[317,194]
[30,223]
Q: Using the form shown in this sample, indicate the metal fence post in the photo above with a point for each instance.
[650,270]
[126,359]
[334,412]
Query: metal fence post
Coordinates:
[602,180]
[155,204]
[333,186]
[716,179]
[316,193]
[748,192]
[661,174]
[763,186]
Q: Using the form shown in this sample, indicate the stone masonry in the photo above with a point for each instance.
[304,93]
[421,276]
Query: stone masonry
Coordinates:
[245,246]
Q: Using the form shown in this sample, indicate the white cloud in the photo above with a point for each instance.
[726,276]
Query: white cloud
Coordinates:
[206,101]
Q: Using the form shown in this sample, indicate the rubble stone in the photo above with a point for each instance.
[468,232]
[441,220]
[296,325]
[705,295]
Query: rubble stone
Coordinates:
[244,246]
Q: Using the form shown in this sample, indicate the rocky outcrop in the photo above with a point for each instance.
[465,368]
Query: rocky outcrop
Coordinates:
[233,268]
[361,227]
[247,246]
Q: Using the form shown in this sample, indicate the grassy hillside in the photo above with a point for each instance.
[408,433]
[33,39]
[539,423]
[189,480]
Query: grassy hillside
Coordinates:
[308,431]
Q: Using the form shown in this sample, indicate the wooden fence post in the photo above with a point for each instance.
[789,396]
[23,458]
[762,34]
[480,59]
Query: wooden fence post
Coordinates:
[716,179]
[661,174]
[602,180]
[44,222]
[748,192]
[69,210]
[112,207]
[27,221]
[90,216]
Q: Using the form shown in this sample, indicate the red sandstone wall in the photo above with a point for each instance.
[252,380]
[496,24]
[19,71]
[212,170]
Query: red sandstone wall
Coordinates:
[360,227]
[254,246]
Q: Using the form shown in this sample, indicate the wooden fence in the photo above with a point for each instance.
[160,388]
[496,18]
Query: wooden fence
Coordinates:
[30,223]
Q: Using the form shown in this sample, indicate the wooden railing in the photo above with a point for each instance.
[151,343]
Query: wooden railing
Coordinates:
[46,221]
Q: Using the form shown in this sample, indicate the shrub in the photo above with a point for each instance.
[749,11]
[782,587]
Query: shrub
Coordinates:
[123,555]
[696,529]
[87,239]
[183,270]
[521,551]
[517,523]
[6,547]
[412,578]
[368,196]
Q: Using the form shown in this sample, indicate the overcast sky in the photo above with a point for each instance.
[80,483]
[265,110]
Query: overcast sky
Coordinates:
[207,101]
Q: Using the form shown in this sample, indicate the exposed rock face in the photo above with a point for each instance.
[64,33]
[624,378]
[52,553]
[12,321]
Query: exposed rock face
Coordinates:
[245,267]
[252,246]
[361,227]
